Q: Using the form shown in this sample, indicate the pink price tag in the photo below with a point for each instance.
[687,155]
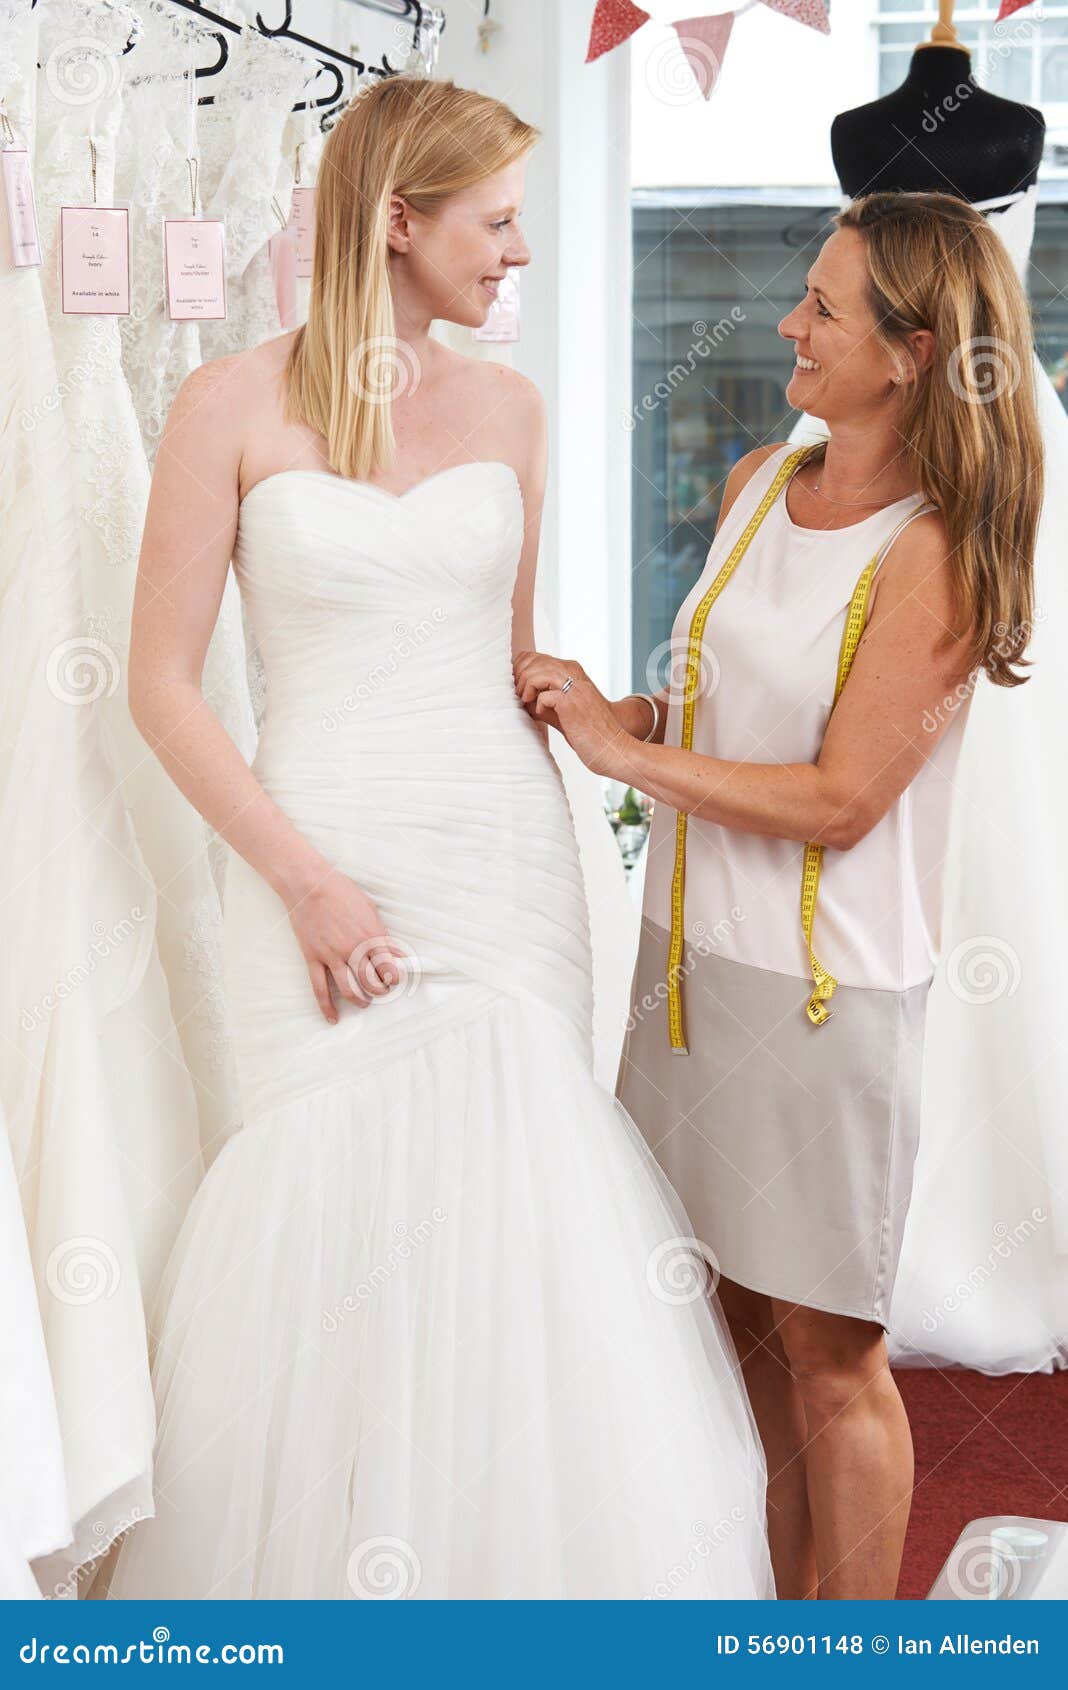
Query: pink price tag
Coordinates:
[21,209]
[94,260]
[282,250]
[194,250]
[302,222]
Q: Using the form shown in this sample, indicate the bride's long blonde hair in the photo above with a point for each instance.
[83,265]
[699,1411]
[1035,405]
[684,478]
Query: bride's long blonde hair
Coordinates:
[405,135]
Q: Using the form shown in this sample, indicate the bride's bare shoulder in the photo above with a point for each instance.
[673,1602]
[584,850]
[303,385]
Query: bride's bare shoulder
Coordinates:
[226,398]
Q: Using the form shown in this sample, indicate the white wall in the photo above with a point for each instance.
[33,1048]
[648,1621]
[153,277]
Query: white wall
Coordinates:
[768,121]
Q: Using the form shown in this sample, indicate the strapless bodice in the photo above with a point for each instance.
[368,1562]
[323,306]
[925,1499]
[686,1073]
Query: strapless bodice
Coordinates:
[394,741]
[377,614]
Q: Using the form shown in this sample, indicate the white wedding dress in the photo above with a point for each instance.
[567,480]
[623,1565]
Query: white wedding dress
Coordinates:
[158,136]
[432,1328]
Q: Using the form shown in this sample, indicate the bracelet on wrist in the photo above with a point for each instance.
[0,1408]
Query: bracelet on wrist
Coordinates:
[655,708]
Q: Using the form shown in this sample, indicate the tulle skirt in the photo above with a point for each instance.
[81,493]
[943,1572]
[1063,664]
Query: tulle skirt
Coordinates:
[437,1332]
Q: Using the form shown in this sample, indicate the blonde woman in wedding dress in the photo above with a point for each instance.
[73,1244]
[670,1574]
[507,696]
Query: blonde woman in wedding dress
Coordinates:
[435,1326]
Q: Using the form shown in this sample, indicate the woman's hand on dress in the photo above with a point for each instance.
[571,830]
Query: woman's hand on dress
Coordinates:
[345,943]
[582,714]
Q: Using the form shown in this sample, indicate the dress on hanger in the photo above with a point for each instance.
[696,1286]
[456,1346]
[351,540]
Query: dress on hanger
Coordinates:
[80,980]
[79,41]
[241,139]
[431,1328]
[983,1279]
[111,480]
[157,137]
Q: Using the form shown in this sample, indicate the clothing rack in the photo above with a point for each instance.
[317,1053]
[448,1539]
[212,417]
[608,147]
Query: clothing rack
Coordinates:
[331,58]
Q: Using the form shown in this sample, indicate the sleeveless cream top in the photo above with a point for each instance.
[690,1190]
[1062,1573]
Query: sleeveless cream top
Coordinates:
[771,646]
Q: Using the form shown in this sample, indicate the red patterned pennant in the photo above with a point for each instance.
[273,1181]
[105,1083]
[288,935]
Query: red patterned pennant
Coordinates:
[614,22]
[704,41]
[1010,6]
[812,12]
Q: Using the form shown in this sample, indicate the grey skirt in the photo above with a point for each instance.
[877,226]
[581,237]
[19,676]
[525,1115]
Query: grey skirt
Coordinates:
[791,1146]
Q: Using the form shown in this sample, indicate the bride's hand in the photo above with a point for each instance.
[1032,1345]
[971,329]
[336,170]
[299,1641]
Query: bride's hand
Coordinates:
[345,943]
[528,693]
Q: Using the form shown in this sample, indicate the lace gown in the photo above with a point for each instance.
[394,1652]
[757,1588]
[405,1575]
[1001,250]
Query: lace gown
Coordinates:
[155,140]
[83,1000]
[242,169]
[432,1327]
[111,480]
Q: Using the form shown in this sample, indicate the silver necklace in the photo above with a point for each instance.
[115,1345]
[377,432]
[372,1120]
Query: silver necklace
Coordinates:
[852,503]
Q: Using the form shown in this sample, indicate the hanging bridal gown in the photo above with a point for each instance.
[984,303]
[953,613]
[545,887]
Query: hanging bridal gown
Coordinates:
[111,482]
[984,1268]
[110,477]
[243,170]
[155,141]
[83,1000]
[34,1519]
[241,139]
[983,1277]
[431,1328]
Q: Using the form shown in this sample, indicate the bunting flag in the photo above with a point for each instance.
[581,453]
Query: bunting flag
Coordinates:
[812,12]
[1010,6]
[614,22]
[704,41]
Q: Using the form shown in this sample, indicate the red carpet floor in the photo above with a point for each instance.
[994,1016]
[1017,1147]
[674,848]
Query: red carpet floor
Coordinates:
[983,1446]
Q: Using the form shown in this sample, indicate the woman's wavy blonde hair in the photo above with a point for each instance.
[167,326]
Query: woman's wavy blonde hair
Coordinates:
[970,428]
[405,135]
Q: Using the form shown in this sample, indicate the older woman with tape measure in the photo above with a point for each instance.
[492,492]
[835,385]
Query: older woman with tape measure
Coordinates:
[802,772]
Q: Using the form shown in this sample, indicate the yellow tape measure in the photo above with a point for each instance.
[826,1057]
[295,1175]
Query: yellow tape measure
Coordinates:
[825,983]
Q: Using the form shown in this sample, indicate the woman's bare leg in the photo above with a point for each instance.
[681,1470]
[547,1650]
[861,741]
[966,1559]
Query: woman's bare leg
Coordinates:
[858,1456]
[780,1418]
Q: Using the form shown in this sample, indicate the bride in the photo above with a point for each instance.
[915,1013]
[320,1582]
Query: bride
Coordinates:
[435,1325]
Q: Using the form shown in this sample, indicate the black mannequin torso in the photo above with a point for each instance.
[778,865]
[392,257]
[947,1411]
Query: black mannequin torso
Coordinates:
[939,132]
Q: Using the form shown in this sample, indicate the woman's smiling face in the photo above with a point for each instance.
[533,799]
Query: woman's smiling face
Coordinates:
[842,370]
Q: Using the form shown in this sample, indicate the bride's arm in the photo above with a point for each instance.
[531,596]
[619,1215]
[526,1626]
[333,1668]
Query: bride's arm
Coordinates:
[531,463]
[190,524]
